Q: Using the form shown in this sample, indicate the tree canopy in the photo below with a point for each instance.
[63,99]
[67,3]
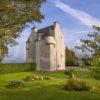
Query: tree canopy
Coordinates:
[14,14]
[92,45]
[71,58]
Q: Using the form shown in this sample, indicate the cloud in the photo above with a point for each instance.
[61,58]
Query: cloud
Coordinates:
[72,37]
[82,16]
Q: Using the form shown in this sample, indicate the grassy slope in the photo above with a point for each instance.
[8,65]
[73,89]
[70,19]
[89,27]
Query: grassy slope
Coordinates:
[52,89]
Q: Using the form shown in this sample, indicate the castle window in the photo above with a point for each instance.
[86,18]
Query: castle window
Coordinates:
[58,66]
[47,43]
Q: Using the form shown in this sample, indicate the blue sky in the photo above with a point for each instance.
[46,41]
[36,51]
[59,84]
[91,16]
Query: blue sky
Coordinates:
[75,16]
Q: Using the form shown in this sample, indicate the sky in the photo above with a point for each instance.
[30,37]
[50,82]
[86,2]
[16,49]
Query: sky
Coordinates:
[76,18]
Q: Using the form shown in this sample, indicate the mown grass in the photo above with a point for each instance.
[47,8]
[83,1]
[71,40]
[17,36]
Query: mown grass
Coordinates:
[83,74]
[52,89]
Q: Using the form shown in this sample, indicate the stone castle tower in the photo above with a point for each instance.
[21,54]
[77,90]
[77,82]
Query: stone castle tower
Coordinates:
[46,48]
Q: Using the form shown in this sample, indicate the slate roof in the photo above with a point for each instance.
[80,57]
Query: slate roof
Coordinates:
[44,32]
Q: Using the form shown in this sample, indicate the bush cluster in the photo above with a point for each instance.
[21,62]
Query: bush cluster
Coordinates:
[34,77]
[18,83]
[13,68]
[78,85]
[15,84]
[70,73]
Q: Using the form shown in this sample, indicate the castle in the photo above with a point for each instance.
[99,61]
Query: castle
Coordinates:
[46,48]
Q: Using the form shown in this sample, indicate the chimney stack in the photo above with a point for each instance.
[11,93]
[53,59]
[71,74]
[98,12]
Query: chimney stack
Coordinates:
[56,23]
[34,30]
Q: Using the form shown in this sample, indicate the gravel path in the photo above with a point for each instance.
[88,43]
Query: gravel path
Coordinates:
[73,67]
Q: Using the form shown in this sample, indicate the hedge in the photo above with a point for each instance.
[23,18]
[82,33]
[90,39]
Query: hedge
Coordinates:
[18,67]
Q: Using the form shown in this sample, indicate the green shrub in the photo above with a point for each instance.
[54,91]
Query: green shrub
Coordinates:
[78,85]
[15,84]
[35,77]
[70,73]
[32,78]
[46,78]
[13,68]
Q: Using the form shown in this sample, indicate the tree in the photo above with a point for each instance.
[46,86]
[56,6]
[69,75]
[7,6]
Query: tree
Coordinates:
[87,60]
[71,59]
[14,16]
[3,51]
[93,46]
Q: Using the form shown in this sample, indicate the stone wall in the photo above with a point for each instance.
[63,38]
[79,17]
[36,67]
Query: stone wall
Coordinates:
[60,47]
[31,47]
[43,55]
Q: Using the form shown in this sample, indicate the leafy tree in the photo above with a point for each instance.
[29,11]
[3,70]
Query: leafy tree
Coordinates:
[71,59]
[14,16]
[3,51]
[87,60]
[93,45]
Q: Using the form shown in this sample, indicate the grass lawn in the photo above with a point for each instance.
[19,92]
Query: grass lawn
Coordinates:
[52,89]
